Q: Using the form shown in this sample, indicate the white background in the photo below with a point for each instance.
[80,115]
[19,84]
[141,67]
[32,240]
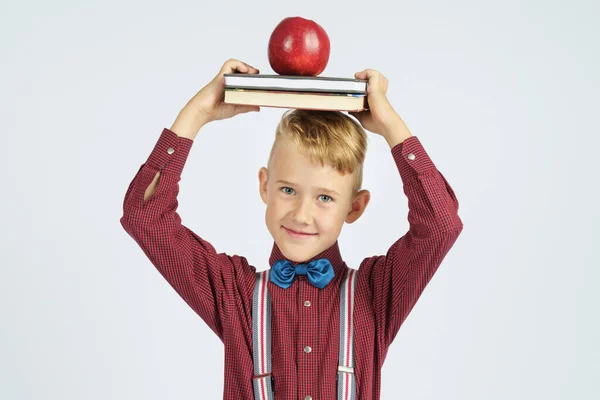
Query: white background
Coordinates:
[503,96]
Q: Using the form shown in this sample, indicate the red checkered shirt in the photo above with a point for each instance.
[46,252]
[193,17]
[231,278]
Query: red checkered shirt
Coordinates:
[218,287]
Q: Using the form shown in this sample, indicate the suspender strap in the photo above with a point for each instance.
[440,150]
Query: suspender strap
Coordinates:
[346,380]
[261,338]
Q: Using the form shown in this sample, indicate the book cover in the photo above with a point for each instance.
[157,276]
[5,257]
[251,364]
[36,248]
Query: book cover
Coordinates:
[295,83]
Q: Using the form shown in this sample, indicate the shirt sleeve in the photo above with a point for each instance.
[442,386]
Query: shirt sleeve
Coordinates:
[211,283]
[398,278]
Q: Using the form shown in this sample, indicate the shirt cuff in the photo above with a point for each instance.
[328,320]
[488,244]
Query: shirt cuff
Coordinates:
[170,152]
[411,158]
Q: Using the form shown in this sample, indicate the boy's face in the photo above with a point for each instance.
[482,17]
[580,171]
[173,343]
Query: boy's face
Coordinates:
[307,203]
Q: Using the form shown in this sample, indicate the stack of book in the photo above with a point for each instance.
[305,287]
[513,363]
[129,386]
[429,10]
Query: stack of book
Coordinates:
[303,92]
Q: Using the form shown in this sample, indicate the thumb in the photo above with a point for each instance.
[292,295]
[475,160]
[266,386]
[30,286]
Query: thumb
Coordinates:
[246,109]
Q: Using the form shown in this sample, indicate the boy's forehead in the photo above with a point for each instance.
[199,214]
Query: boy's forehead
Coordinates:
[289,163]
[289,155]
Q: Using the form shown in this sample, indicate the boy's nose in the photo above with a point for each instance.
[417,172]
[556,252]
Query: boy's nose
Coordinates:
[302,213]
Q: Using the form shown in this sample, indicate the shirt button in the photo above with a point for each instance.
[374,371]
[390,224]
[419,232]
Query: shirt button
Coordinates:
[307,303]
[307,349]
[411,156]
[308,398]
[170,150]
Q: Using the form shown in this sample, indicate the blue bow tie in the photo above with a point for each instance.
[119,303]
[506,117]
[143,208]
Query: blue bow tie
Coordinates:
[319,272]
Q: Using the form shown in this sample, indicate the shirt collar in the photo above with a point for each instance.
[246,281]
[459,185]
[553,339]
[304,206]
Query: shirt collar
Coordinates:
[332,254]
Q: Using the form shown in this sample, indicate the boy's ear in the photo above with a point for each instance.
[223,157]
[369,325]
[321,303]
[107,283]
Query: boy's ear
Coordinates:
[263,175]
[358,205]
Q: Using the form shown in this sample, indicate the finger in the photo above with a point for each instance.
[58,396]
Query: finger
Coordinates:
[246,109]
[248,69]
[361,75]
[367,74]
[232,65]
[251,69]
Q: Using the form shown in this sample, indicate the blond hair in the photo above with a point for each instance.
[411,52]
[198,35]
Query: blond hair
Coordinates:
[329,137]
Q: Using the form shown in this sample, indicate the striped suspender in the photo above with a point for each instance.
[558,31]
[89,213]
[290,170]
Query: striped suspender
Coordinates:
[261,339]
[346,380]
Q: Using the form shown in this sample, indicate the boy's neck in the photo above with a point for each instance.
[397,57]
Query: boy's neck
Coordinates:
[332,254]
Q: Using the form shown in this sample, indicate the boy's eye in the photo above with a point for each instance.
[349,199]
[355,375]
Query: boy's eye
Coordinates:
[287,190]
[325,199]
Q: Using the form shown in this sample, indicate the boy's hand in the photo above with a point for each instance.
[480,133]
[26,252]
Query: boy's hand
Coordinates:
[381,118]
[208,102]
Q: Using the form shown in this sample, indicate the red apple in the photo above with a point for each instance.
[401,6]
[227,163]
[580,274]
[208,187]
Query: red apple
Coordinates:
[298,46]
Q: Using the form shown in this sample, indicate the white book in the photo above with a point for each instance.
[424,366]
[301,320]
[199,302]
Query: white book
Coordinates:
[295,83]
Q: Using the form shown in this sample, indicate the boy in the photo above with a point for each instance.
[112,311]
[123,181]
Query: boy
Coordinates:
[311,186]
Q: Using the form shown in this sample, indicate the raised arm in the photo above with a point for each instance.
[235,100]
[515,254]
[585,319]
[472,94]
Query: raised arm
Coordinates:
[398,278]
[208,281]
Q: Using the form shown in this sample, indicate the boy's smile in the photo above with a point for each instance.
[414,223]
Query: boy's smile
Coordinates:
[307,203]
[299,234]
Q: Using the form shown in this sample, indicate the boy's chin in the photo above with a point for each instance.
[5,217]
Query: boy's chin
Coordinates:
[297,254]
